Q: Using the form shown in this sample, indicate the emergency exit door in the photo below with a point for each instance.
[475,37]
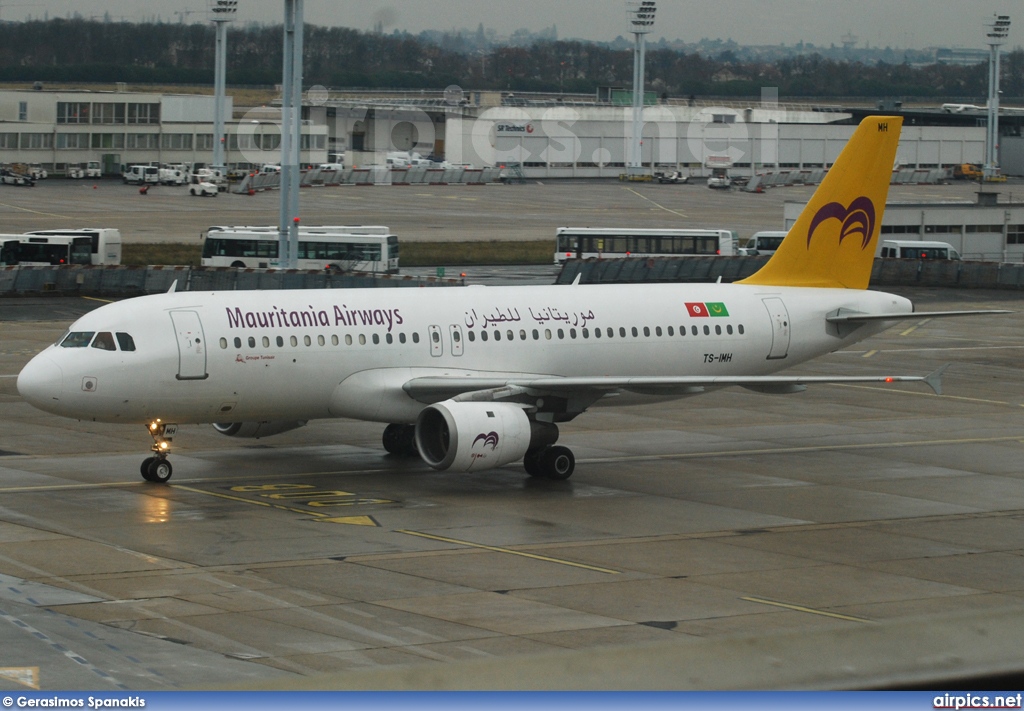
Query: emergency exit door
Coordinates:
[780,328]
[191,345]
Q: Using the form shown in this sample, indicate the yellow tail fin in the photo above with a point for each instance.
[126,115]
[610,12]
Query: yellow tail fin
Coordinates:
[832,243]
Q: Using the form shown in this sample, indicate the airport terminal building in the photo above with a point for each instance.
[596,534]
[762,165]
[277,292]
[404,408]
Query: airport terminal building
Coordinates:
[547,136]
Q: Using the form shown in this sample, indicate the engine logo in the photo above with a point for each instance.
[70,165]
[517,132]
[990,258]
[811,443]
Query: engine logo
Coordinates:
[491,438]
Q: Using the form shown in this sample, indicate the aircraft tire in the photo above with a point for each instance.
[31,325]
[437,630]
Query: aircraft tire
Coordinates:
[392,439]
[160,470]
[531,463]
[144,468]
[557,463]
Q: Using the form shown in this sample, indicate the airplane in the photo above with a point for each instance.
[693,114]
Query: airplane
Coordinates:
[472,378]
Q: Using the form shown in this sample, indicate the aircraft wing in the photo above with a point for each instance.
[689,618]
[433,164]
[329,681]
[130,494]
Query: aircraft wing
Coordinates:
[434,388]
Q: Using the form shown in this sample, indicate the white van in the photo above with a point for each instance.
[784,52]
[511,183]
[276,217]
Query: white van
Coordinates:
[141,174]
[763,242]
[917,249]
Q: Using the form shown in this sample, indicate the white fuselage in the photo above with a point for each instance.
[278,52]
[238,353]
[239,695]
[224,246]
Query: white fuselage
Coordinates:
[299,355]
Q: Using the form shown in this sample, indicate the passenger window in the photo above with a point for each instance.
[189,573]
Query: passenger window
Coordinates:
[586,333]
[238,342]
[77,339]
[561,334]
[252,342]
[294,341]
[348,339]
[415,337]
[497,335]
[223,343]
[657,331]
[740,327]
[320,341]
[280,342]
[547,334]
[536,335]
[362,339]
[718,330]
[671,331]
[728,329]
[469,334]
[707,330]
[456,336]
[483,336]
[622,331]
[104,341]
[389,338]
[334,340]
[522,335]
[401,337]
[647,332]
[694,330]
[307,340]
[376,339]
[634,332]
[597,332]
[266,342]
[435,337]
[611,332]
[572,333]
[126,343]
[511,335]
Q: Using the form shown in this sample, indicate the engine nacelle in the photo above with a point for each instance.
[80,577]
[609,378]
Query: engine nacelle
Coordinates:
[255,430]
[472,436]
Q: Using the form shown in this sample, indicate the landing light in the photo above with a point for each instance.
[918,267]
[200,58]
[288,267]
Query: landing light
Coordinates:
[164,445]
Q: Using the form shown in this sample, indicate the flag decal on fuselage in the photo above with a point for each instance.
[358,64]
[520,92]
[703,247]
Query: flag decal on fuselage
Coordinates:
[700,309]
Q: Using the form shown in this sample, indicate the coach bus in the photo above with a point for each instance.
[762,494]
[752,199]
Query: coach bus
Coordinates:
[36,251]
[104,242]
[607,243]
[342,249]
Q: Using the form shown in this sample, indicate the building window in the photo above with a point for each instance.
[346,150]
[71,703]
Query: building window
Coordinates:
[73,141]
[176,141]
[204,141]
[72,112]
[108,140]
[8,140]
[143,113]
[23,111]
[107,113]
[1015,234]
[36,140]
[971,229]
[149,141]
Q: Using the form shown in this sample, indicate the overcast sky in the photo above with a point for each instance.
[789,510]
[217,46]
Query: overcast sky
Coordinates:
[896,23]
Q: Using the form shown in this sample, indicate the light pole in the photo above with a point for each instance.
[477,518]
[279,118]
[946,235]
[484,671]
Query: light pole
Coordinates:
[997,32]
[641,18]
[221,13]
[291,135]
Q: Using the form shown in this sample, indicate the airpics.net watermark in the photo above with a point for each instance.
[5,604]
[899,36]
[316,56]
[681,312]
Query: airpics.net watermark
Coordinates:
[709,134]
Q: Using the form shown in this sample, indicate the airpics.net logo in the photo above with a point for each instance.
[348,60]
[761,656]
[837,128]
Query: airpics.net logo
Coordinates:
[857,219]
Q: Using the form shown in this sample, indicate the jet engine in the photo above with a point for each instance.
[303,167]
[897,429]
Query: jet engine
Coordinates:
[472,436]
[255,430]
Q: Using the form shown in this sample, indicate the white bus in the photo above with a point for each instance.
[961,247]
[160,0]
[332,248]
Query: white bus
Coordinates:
[917,249]
[37,251]
[8,250]
[605,243]
[763,242]
[341,249]
[104,242]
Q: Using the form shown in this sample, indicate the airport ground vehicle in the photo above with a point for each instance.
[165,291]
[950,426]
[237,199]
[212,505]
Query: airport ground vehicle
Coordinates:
[37,172]
[104,242]
[141,174]
[93,169]
[675,177]
[202,188]
[212,175]
[343,249]
[611,242]
[37,250]
[74,171]
[8,176]
[8,250]
[763,242]
[967,171]
[174,175]
[917,249]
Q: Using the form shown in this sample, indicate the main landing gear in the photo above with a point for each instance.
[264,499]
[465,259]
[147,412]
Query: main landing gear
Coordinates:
[400,440]
[553,462]
[156,468]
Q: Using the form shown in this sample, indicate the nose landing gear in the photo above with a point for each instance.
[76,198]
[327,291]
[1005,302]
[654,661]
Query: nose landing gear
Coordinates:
[156,468]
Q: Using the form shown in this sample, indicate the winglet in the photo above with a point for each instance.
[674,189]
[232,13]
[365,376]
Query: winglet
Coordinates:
[832,243]
[934,380]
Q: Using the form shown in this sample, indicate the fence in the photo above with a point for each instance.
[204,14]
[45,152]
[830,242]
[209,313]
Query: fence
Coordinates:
[885,272]
[135,281]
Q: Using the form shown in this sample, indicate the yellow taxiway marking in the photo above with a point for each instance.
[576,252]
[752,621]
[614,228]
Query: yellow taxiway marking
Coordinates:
[26,676]
[915,327]
[320,517]
[809,610]
[928,394]
[35,212]
[656,204]
[510,551]
[869,354]
[93,298]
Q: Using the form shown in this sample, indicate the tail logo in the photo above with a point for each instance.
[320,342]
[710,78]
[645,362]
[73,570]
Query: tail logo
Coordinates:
[491,438]
[858,218]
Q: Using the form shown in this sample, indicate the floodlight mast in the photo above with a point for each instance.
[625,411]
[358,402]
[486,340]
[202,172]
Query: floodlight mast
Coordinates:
[221,13]
[291,132]
[641,14]
[996,34]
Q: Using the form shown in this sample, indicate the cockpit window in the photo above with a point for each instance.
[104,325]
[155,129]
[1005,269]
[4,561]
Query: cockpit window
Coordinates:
[77,339]
[104,341]
[126,342]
